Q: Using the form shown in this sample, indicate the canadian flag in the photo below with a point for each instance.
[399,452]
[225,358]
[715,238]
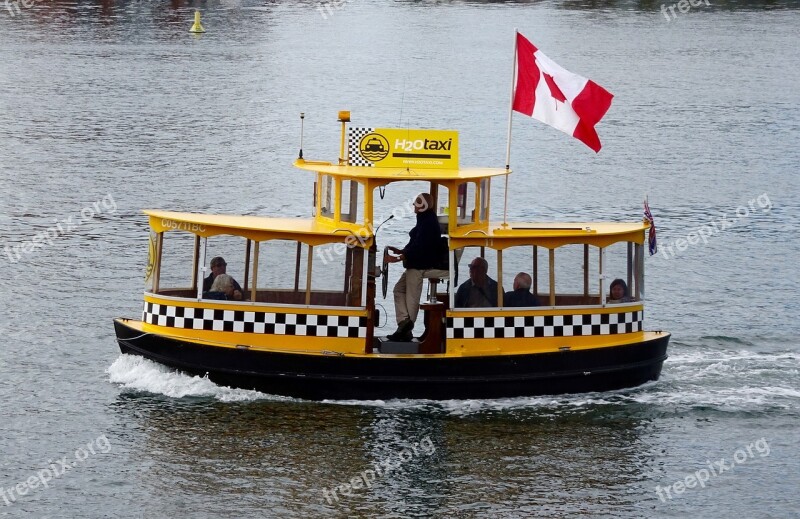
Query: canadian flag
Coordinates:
[554,96]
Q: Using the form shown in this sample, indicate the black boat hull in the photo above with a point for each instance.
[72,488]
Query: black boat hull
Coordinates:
[335,377]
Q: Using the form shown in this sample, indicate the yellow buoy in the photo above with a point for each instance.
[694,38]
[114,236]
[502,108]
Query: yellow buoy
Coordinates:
[197,27]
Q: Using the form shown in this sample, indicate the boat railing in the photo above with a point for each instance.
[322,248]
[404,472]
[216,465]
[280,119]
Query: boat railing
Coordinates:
[563,305]
[327,298]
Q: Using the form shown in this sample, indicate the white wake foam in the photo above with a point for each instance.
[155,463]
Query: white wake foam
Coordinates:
[693,378]
[137,373]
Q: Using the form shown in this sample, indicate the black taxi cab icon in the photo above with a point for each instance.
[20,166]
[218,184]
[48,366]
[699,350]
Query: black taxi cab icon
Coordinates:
[374,145]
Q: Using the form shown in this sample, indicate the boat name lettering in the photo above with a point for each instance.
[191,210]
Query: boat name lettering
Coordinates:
[423,144]
[182,226]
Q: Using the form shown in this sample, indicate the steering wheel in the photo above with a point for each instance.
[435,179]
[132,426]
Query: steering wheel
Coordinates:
[385,272]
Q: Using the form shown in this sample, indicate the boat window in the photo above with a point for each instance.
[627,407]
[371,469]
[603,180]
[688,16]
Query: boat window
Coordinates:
[179,271]
[326,192]
[397,201]
[465,202]
[283,274]
[442,197]
[577,275]
[570,275]
[472,202]
[233,249]
[351,196]
[177,259]
[468,254]
[620,262]
[541,274]
[442,205]
[529,260]
[485,193]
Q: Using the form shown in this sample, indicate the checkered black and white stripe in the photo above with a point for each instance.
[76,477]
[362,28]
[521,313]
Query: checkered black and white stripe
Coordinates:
[543,325]
[354,154]
[255,322]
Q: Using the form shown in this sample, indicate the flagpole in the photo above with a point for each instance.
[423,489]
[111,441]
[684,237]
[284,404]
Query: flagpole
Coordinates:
[508,139]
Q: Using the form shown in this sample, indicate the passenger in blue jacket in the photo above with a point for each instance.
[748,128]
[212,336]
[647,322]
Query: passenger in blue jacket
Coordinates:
[421,253]
[479,291]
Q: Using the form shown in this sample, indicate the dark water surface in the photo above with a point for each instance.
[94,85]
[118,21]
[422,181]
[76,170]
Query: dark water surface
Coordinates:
[108,108]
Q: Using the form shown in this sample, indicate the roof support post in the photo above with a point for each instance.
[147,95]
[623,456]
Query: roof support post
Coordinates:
[246,265]
[370,296]
[353,209]
[348,266]
[601,276]
[202,269]
[499,277]
[585,270]
[157,269]
[552,277]
[639,279]
[535,271]
[452,207]
[337,200]
[297,267]
[195,262]
[477,208]
[254,288]
[308,274]
[452,268]
[630,265]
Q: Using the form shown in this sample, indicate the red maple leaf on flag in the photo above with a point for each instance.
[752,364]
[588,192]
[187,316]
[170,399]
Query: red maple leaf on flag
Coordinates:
[556,92]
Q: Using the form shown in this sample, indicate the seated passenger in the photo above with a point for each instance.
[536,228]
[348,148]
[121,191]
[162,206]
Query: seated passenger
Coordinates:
[479,291]
[521,296]
[618,292]
[218,267]
[222,288]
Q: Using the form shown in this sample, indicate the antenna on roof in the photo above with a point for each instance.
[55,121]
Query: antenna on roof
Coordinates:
[302,116]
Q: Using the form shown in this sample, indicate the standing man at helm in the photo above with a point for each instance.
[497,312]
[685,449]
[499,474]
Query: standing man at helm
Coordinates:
[422,252]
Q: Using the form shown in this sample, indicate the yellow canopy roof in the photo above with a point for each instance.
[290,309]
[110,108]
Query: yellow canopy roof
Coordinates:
[257,228]
[314,232]
[363,172]
[551,235]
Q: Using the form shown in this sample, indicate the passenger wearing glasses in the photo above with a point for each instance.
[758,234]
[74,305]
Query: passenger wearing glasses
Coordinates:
[479,291]
[218,267]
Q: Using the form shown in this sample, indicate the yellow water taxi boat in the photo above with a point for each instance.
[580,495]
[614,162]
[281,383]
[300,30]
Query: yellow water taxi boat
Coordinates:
[308,322]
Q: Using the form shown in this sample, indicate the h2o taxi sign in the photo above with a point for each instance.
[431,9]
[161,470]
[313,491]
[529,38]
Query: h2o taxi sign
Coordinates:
[403,148]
